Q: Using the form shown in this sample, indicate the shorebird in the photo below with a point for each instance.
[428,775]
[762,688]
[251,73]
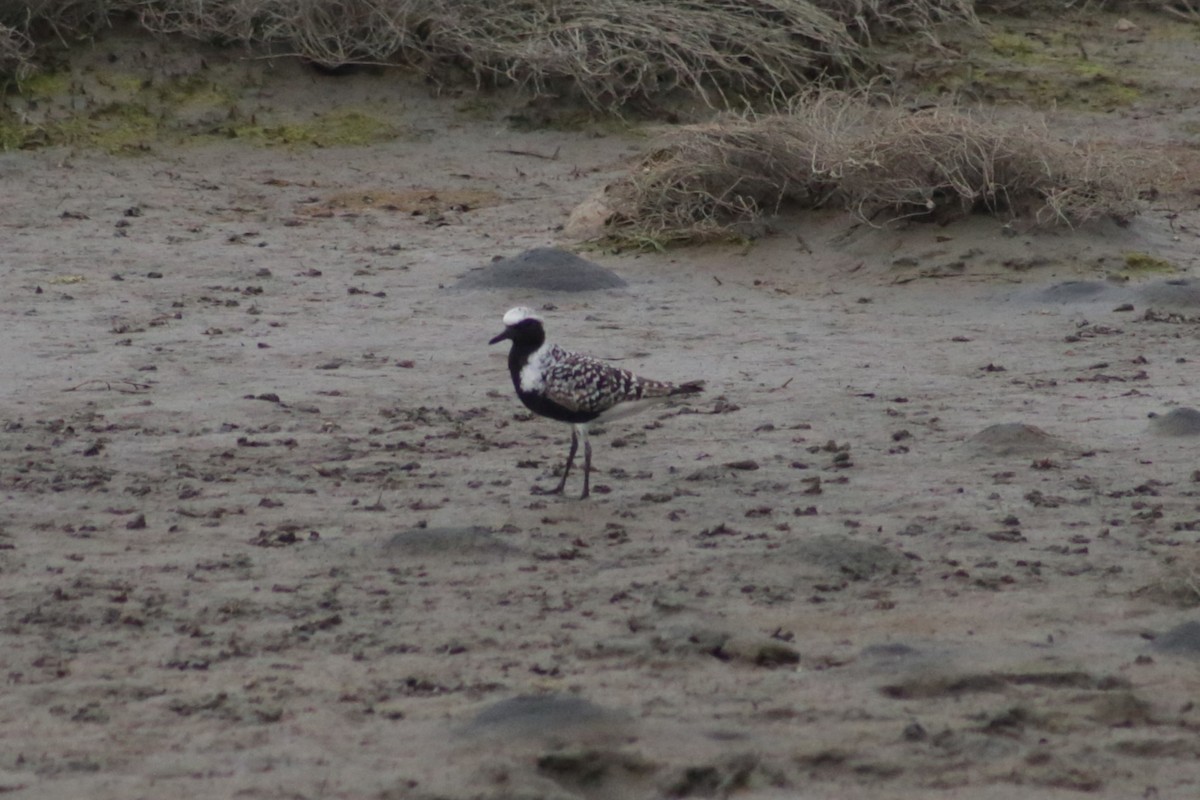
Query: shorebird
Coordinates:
[574,388]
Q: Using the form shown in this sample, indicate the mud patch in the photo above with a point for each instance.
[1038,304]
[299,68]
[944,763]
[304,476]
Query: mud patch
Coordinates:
[843,556]
[417,202]
[597,773]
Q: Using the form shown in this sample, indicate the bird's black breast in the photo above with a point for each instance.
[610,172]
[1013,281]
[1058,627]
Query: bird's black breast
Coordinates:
[545,407]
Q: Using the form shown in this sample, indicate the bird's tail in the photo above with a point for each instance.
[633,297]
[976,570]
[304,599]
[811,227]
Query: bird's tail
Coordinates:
[691,387]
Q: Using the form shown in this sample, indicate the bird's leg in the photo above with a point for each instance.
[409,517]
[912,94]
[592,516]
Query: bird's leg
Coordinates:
[567,469]
[570,460]
[587,464]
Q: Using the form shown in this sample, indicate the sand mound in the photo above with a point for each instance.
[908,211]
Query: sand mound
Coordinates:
[1017,438]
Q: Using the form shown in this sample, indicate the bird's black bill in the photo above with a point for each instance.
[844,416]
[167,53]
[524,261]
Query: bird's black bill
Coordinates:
[500,338]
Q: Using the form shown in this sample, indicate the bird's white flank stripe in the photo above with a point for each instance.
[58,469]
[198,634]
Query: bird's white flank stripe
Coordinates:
[533,374]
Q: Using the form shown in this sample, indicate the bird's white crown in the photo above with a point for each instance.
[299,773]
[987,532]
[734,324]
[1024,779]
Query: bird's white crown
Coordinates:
[518,315]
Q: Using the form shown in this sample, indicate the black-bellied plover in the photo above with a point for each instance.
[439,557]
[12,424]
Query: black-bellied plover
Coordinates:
[575,388]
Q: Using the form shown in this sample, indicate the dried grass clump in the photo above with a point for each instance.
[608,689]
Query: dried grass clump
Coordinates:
[1178,585]
[882,163]
[721,178]
[938,158]
[711,181]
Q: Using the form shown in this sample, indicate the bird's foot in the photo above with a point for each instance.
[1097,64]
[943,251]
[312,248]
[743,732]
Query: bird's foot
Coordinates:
[539,490]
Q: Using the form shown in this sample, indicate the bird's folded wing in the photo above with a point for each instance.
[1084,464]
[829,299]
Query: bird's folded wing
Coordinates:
[583,384]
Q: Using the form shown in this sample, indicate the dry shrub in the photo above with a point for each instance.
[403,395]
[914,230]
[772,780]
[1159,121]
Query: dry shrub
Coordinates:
[1188,10]
[610,52]
[332,32]
[615,51]
[865,16]
[882,163]
[15,51]
[60,19]
[1018,7]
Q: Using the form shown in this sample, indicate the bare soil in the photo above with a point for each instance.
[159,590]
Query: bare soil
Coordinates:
[267,527]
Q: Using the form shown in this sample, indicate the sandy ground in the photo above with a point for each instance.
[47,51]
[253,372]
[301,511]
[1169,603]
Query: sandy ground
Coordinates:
[267,525]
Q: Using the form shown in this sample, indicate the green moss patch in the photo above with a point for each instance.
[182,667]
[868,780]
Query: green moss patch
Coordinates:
[45,84]
[336,128]
[1144,263]
[1043,65]
[124,112]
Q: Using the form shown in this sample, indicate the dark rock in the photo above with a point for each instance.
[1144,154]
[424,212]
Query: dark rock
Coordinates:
[1181,421]
[1072,292]
[1182,640]
[468,541]
[550,715]
[1182,292]
[548,269]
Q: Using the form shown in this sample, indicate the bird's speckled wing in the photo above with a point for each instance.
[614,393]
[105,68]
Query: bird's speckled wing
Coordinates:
[581,383]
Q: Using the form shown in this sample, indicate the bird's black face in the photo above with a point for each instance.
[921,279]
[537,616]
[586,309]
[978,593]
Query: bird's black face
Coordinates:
[527,332]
